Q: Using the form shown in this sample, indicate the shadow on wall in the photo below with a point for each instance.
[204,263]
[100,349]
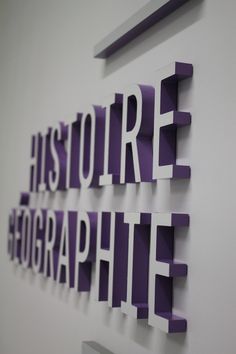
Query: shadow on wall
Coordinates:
[178,21]
[136,330]
[144,335]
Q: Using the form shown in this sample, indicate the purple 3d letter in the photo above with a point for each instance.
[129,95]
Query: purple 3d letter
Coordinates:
[162,269]
[111,259]
[111,170]
[167,120]
[85,249]
[91,146]
[136,302]
[137,130]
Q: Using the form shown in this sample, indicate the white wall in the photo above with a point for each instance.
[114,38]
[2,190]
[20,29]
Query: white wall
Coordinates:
[47,73]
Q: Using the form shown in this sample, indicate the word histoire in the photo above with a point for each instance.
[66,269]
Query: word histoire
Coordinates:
[130,139]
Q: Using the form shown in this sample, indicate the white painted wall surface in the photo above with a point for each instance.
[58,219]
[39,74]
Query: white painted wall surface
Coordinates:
[47,74]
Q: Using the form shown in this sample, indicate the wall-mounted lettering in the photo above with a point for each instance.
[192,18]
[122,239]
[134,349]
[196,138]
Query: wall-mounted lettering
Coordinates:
[130,138]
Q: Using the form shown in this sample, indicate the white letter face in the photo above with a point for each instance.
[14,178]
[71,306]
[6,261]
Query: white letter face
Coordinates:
[73,154]
[26,236]
[17,235]
[38,240]
[10,238]
[57,174]
[54,222]
[66,261]
[35,162]
[85,249]
[42,184]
